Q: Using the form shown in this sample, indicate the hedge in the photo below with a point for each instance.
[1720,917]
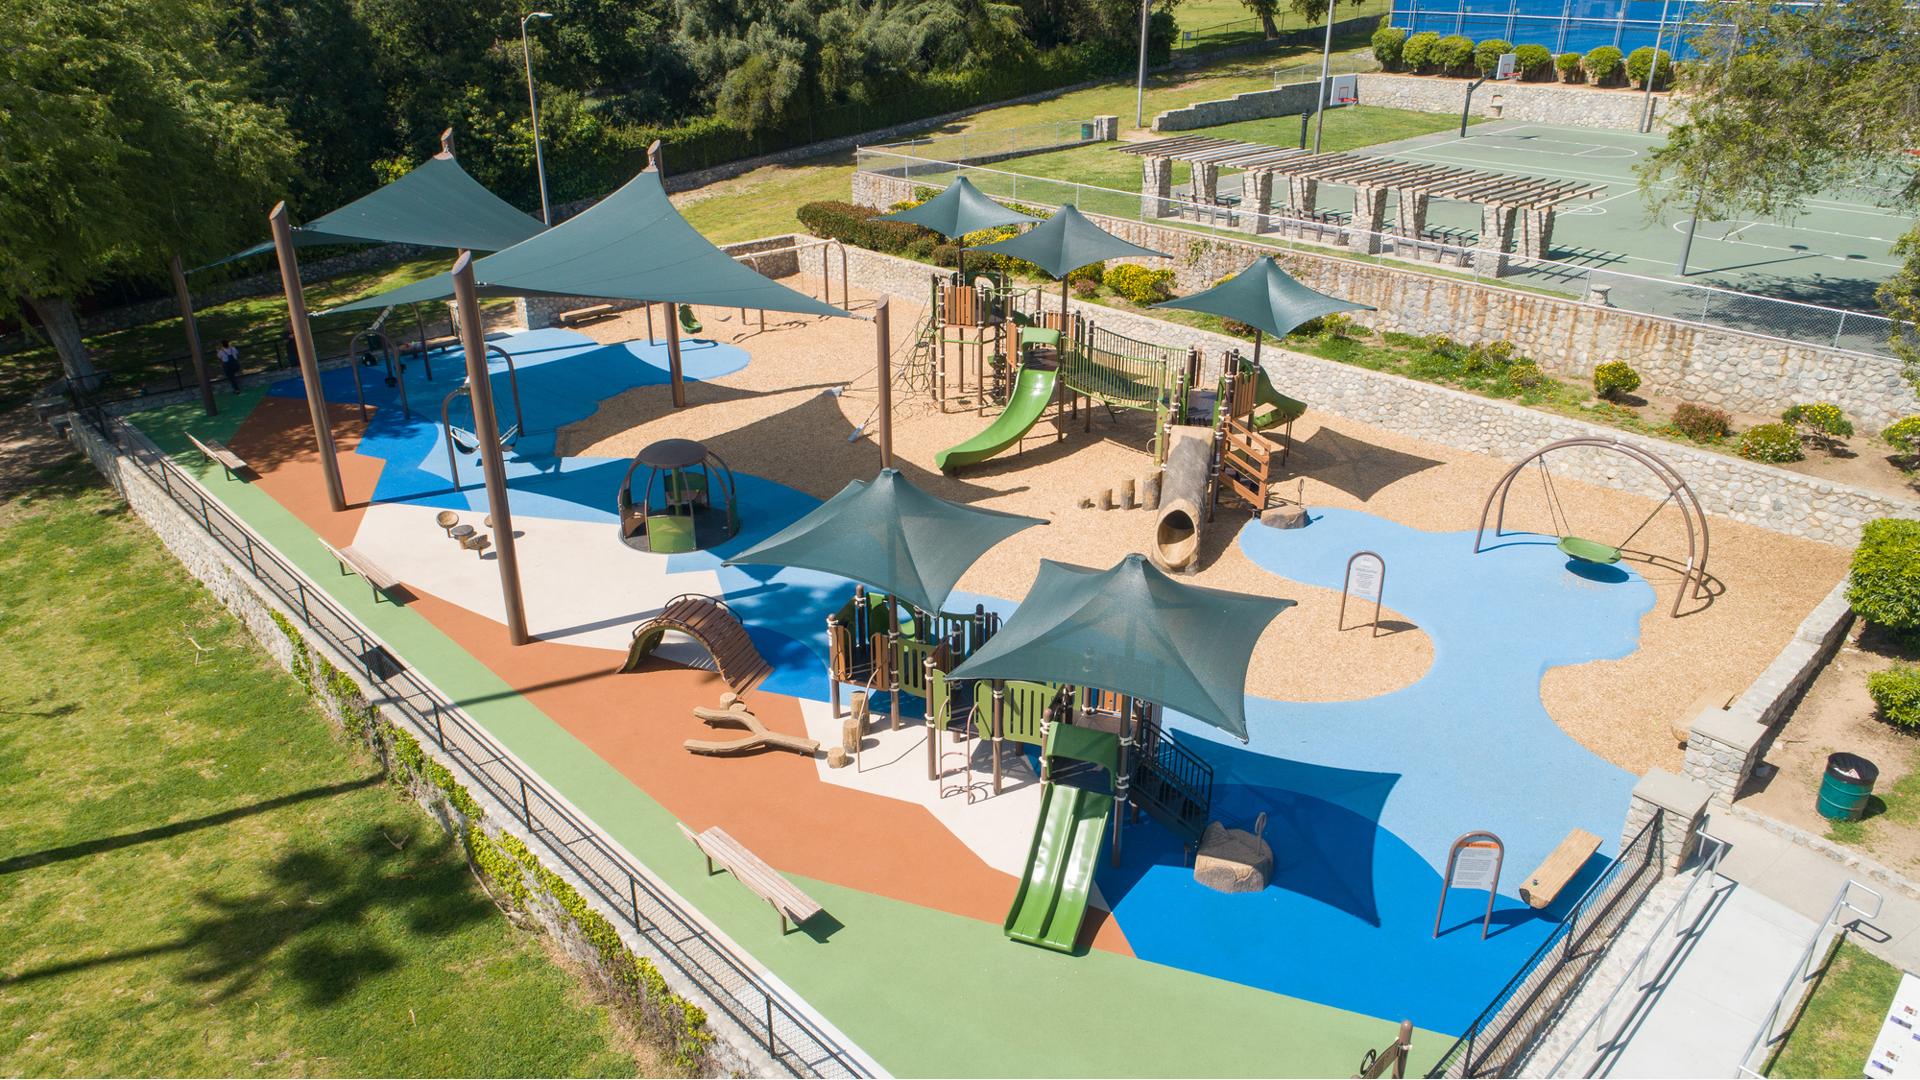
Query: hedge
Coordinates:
[1883,584]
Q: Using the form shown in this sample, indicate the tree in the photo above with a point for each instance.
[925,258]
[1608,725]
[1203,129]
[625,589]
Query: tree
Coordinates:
[1785,101]
[1310,11]
[124,138]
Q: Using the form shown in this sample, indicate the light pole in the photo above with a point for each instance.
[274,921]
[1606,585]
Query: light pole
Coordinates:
[533,107]
[1140,86]
[1653,70]
[1320,100]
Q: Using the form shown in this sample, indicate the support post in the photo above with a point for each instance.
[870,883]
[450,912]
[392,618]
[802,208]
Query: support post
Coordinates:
[1410,219]
[883,346]
[1156,187]
[192,329]
[303,348]
[1496,240]
[1259,193]
[486,430]
[1369,215]
[673,356]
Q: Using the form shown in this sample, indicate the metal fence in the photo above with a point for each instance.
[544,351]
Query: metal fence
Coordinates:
[975,146]
[1560,25]
[1846,912]
[1505,1032]
[1439,251]
[794,1040]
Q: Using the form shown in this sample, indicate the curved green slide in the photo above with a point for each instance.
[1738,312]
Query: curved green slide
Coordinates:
[1066,848]
[1032,390]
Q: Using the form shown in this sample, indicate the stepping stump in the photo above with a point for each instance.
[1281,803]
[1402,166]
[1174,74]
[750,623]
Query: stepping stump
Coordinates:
[1234,860]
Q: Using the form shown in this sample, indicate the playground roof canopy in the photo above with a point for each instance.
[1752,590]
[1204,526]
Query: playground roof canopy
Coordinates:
[1133,630]
[959,210]
[1066,242]
[891,536]
[434,205]
[1264,297]
[631,245]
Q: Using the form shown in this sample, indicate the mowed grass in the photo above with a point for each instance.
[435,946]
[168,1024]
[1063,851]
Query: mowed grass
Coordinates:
[1837,1026]
[197,877]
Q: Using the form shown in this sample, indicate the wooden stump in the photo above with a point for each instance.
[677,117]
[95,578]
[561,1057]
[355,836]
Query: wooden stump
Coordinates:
[1127,500]
[837,758]
[1150,494]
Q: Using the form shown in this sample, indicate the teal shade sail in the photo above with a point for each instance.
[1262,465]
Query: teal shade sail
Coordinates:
[631,245]
[1066,242]
[1133,630]
[957,211]
[1264,297]
[889,535]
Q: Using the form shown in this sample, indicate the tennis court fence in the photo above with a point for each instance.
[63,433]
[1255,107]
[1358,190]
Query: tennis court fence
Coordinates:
[1443,251]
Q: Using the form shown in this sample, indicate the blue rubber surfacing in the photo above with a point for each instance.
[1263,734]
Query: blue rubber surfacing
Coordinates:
[1362,798]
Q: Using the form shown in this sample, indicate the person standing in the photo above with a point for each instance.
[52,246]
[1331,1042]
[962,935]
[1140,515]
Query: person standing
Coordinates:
[229,355]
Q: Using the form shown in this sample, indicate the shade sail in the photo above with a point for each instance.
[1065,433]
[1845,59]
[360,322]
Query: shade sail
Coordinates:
[959,210]
[1133,630]
[891,536]
[436,205]
[1264,297]
[1066,242]
[631,245]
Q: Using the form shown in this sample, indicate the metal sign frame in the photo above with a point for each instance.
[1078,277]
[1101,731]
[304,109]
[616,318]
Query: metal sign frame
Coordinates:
[1477,839]
[1379,589]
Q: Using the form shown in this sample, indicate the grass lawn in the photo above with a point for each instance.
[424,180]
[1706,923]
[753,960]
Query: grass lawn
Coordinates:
[1837,1025]
[197,877]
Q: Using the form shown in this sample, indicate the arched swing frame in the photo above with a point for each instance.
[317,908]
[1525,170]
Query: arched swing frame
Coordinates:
[395,369]
[507,437]
[1693,580]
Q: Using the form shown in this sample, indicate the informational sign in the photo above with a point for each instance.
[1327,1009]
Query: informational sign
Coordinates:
[1366,579]
[1343,90]
[1472,863]
[1896,1052]
[1509,66]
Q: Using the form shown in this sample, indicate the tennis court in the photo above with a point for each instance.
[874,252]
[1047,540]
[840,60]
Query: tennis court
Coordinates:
[1834,252]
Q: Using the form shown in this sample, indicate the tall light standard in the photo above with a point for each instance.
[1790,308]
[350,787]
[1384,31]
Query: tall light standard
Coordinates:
[1140,85]
[1320,100]
[533,106]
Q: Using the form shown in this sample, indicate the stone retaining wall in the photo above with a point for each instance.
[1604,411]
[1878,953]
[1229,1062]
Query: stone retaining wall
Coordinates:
[1731,487]
[1290,100]
[1710,364]
[1561,105]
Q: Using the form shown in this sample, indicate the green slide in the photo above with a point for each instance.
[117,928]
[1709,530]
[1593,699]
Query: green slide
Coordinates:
[1032,390]
[1285,409]
[1066,849]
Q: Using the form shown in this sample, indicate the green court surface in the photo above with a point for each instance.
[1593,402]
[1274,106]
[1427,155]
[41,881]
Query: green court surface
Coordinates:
[892,974]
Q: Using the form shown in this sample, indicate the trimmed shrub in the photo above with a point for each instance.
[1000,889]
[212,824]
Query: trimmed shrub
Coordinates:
[1819,419]
[854,225]
[1535,61]
[1897,692]
[1903,434]
[1773,443]
[1488,357]
[1388,44]
[1702,423]
[1640,61]
[1139,285]
[1452,54]
[1883,584]
[1416,54]
[1568,65]
[1094,272]
[1601,64]
[1614,379]
[1083,287]
[1525,374]
[1486,55]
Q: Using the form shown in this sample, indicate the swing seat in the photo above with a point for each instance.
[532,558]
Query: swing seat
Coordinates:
[1591,551]
[688,323]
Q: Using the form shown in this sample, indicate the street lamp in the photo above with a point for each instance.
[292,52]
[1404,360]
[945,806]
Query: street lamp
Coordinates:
[1140,85]
[533,106]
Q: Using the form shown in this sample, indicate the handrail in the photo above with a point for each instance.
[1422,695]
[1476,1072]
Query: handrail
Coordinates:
[1764,1036]
[795,1040]
[1709,867]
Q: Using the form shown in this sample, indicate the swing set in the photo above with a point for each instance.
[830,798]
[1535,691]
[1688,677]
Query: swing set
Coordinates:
[1693,577]
[461,440]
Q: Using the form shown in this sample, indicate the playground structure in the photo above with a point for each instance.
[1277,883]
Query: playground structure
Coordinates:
[709,621]
[688,477]
[461,440]
[876,647]
[1693,573]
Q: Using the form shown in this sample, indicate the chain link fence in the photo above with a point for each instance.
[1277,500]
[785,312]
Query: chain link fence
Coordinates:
[794,1040]
[1442,251]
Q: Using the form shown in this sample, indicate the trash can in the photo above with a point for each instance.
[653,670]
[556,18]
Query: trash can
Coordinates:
[1844,789]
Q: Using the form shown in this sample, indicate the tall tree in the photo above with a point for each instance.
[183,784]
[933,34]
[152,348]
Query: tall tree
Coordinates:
[123,138]
[1788,100]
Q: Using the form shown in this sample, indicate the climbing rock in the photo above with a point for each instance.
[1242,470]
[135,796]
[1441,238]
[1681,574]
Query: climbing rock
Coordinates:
[1233,860]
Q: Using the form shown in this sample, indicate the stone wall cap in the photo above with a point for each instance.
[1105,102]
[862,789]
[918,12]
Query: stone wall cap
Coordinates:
[1674,794]
[1735,727]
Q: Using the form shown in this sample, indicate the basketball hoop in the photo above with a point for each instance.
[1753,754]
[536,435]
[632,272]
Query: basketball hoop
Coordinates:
[1509,66]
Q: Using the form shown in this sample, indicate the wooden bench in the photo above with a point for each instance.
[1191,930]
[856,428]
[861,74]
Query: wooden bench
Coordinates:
[356,562]
[1559,868]
[216,451]
[723,852]
[593,313]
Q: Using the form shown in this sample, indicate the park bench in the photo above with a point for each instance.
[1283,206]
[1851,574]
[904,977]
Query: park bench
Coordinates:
[356,562]
[723,852]
[593,313]
[216,451]
[1559,867]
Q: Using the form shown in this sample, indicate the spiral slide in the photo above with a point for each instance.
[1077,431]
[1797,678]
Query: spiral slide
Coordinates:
[1032,391]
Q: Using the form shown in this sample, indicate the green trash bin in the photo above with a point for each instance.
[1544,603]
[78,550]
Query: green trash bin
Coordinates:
[1844,789]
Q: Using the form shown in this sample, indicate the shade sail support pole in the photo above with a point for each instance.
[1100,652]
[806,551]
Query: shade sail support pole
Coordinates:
[673,357]
[192,329]
[883,341]
[303,348]
[486,429]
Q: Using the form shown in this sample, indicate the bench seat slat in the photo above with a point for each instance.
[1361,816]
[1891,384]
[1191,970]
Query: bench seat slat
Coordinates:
[724,851]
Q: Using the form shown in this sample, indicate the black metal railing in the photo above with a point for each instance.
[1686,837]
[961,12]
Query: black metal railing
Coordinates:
[1506,1031]
[800,1045]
